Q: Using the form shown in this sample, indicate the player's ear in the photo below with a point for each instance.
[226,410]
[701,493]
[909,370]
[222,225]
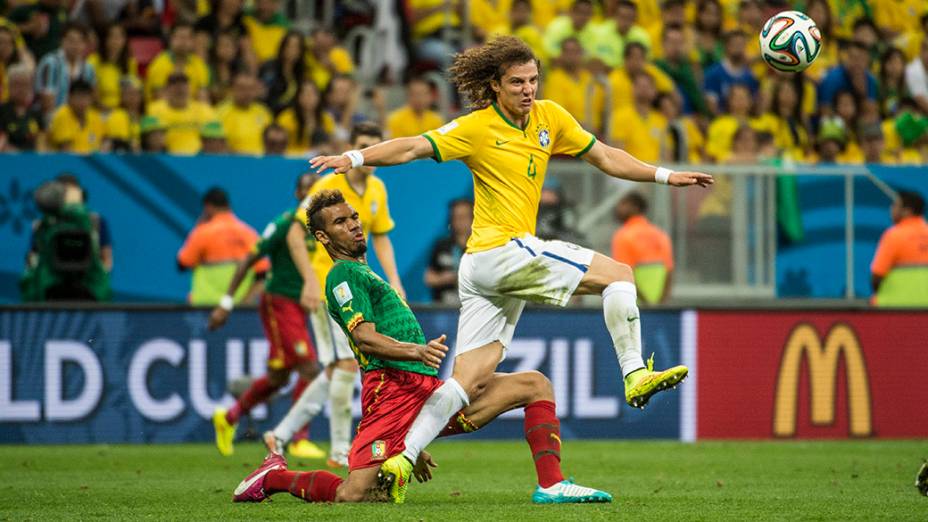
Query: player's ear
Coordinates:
[322,237]
[495,86]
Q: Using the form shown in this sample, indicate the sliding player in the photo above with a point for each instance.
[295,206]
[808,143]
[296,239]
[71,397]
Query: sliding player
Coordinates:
[399,376]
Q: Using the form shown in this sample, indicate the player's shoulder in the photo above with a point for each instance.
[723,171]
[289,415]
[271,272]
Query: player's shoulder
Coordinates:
[327,182]
[377,184]
[345,271]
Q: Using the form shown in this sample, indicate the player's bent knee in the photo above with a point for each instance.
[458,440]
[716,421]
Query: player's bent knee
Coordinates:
[349,495]
[603,272]
[536,387]
[278,378]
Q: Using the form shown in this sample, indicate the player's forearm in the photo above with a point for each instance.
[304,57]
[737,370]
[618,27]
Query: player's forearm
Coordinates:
[620,164]
[370,342]
[383,248]
[296,245]
[397,151]
[240,272]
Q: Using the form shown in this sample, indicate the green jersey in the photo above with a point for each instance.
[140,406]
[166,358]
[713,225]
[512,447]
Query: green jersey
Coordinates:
[284,279]
[355,294]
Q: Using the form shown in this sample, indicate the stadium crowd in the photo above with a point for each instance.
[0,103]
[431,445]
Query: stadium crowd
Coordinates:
[668,80]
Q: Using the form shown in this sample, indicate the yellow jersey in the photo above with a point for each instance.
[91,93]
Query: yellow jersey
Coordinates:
[405,122]
[644,137]
[183,125]
[121,126]
[578,93]
[164,65]
[109,76]
[68,133]
[301,144]
[508,164]
[371,206]
[245,127]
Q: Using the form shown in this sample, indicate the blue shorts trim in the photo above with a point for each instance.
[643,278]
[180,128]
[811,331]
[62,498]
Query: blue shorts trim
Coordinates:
[578,266]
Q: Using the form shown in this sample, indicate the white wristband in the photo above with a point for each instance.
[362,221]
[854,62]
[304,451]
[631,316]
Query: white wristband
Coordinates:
[662,175]
[227,303]
[357,159]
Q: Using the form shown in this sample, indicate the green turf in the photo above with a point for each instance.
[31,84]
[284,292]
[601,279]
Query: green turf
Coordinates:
[486,481]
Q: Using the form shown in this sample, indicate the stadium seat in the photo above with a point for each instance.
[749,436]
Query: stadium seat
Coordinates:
[144,49]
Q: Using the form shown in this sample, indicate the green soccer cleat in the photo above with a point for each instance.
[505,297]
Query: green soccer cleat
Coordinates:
[641,384]
[921,480]
[225,433]
[566,492]
[401,470]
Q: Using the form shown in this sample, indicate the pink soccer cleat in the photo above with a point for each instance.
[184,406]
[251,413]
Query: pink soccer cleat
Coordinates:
[252,488]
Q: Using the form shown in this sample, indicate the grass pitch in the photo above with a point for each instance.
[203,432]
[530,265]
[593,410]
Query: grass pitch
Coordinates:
[486,481]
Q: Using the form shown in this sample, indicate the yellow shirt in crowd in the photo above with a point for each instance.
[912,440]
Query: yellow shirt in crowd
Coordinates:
[244,127]
[621,84]
[68,133]
[120,126]
[641,135]
[508,164]
[405,122]
[109,77]
[164,65]
[435,21]
[265,38]
[341,62]
[579,94]
[300,144]
[183,125]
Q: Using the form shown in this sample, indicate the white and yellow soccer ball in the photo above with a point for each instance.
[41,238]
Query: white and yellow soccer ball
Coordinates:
[790,41]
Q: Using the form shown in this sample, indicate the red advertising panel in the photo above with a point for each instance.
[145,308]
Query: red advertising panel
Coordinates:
[812,374]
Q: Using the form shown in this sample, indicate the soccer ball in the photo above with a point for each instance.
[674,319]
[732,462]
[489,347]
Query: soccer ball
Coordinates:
[790,41]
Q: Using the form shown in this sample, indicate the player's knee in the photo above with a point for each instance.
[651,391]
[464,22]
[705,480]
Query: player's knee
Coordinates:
[604,272]
[349,495]
[309,370]
[348,365]
[537,387]
[277,378]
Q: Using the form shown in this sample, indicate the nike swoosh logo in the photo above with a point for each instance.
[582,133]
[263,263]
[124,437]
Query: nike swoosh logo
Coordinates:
[500,143]
[632,319]
[245,484]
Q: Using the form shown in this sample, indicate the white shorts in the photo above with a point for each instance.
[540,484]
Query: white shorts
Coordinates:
[495,284]
[331,343]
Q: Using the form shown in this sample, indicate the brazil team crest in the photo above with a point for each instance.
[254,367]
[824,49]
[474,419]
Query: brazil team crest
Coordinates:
[544,138]
[379,450]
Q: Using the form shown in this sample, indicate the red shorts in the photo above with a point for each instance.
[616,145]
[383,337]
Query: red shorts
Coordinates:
[390,401]
[285,326]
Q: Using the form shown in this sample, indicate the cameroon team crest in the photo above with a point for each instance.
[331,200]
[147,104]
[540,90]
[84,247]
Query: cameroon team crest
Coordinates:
[378,450]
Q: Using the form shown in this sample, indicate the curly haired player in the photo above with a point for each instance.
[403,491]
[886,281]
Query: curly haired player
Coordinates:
[506,141]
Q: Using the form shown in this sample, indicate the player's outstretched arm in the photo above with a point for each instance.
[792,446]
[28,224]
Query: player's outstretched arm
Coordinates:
[220,314]
[620,164]
[370,342]
[391,152]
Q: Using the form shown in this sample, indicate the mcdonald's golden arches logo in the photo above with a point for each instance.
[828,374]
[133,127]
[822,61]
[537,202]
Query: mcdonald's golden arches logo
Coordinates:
[823,374]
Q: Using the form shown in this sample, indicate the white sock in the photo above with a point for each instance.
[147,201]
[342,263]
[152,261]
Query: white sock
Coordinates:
[304,409]
[444,402]
[340,394]
[620,307]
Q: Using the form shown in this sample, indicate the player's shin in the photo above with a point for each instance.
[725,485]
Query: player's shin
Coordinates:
[260,390]
[620,309]
[543,434]
[305,409]
[444,402]
[341,391]
[311,486]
